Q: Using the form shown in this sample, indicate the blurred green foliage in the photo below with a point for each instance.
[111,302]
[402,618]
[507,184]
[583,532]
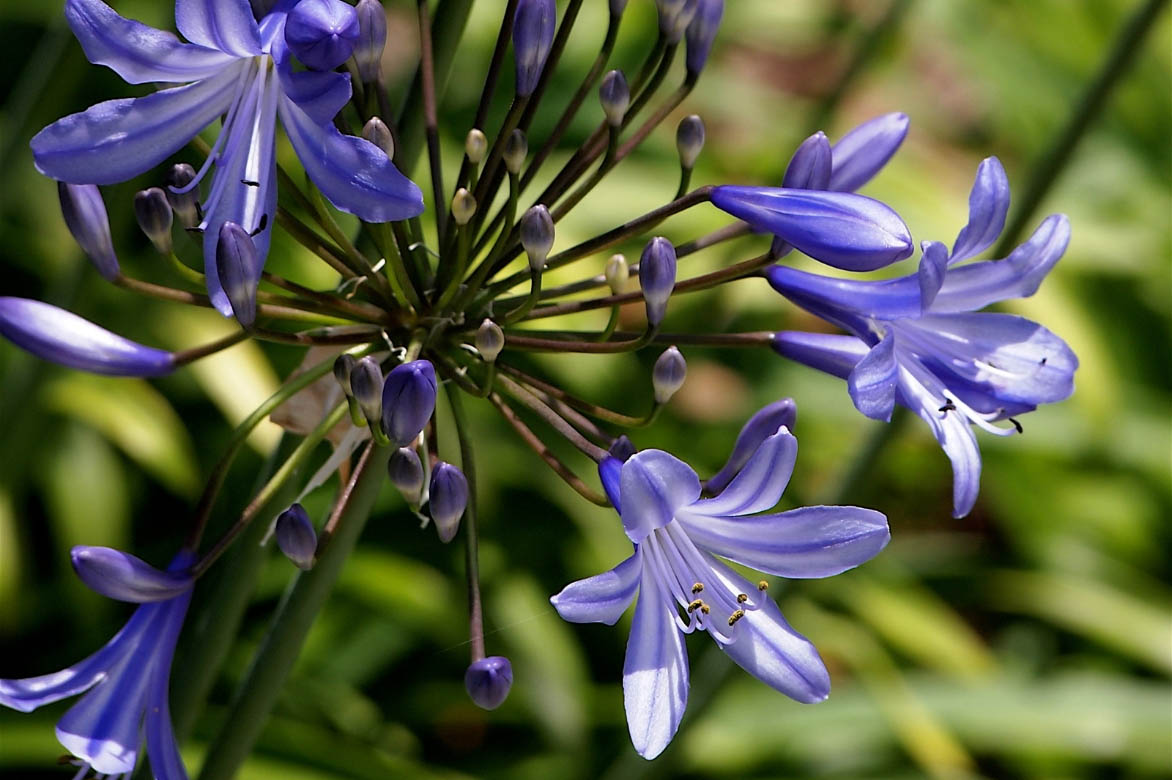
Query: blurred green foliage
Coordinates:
[1031,639]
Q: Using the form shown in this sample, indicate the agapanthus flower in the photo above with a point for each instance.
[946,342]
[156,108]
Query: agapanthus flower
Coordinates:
[920,341]
[244,71]
[127,679]
[680,585]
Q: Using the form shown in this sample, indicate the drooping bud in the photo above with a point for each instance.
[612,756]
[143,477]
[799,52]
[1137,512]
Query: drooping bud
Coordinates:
[366,383]
[377,132]
[516,150]
[322,33]
[668,375]
[617,272]
[372,37]
[657,277]
[123,577]
[153,213]
[343,367]
[449,498]
[185,204]
[537,235]
[62,337]
[862,153]
[296,537]
[488,681]
[85,216]
[406,473]
[490,340]
[809,168]
[408,400]
[760,426]
[533,27]
[236,261]
[690,140]
[615,96]
[701,33]
[674,17]
[475,146]
[463,206]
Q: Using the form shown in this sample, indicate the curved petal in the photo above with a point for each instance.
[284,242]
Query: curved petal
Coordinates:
[162,749]
[655,672]
[227,25]
[610,471]
[113,141]
[833,354]
[136,52]
[862,153]
[654,485]
[760,483]
[320,94]
[124,577]
[888,299]
[815,541]
[933,271]
[988,205]
[353,173]
[872,383]
[602,598]
[762,424]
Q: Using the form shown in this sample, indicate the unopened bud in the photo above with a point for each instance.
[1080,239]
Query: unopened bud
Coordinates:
[153,213]
[615,96]
[617,273]
[366,384]
[449,498]
[85,216]
[321,33]
[657,277]
[237,264]
[701,33]
[622,448]
[186,203]
[533,27]
[488,681]
[490,340]
[408,400]
[377,132]
[406,473]
[668,375]
[690,140]
[296,537]
[475,146]
[516,150]
[463,206]
[372,37]
[674,17]
[810,166]
[537,235]
[343,367]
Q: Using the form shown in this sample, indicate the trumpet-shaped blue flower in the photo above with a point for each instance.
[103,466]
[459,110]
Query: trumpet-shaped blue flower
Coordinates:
[233,67]
[919,340]
[127,679]
[679,585]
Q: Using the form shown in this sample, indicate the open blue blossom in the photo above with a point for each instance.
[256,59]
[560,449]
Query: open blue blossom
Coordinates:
[127,679]
[681,585]
[233,67]
[919,340]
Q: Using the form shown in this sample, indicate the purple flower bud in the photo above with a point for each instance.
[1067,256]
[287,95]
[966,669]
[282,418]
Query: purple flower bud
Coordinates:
[488,681]
[615,96]
[809,168]
[622,448]
[516,150]
[406,473]
[366,384]
[408,400]
[343,367]
[533,26]
[124,577]
[238,264]
[610,473]
[537,235]
[377,132]
[322,33]
[760,426]
[372,37]
[657,277]
[296,537]
[185,204]
[847,231]
[62,337]
[668,374]
[861,153]
[701,33]
[85,216]
[153,213]
[449,498]
[690,140]
[490,340]
[675,16]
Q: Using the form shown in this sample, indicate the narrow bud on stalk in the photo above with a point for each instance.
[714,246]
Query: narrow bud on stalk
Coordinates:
[690,140]
[537,235]
[343,367]
[296,537]
[615,96]
[366,383]
[475,146]
[463,206]
[372,38]
[236,261]
[408,400]
[810,166]
[674,17]
[516,150]
[322,33]
[85,216]
[406,473]
[533,28]
[488,681]
[657,277]
[701,33]
[668,375]
[186,204]
[153,213]
[449,498]
[377,132]
[490,340]
[617,272]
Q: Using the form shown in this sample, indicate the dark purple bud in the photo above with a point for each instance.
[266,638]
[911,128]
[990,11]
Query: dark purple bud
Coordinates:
[124,577]
[862,153]
[62,337]
[668,374]
[406,473]
[615,96]
[690,140]
[809,168]
[377,132]
[490,340]
[537,235]
[408,401]
[343,367]
[296,537]
[760,427]
[840,229]
[657,277]
[366,383]
[675,16]
[185,204]
[533,26]
[701,33]
[153,213]
[488,681]
[449,498]
[622,448]
[372,37]
[85,216]
[322,33]
[237,263]
[516,150]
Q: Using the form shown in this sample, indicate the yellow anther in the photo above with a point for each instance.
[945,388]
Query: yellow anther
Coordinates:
[695,605]
[699,586]
[762,585]
[734,617]
[704,608]
[742,598]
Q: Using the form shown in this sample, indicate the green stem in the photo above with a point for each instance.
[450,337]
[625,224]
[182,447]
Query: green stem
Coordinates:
[471,539]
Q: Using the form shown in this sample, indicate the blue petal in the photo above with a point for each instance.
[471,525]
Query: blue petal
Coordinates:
[113,141]
[809,168]
[846,301]
[836,355]
[320,94]
[654,485]
[762,424]
[124,577]
[988,205]
[227,25]
[873,381]
[353,173]
[162,749]
[933,269]
[655,671]
[62,337]
[760,484]
[862,153]
[602,598]
[610,471]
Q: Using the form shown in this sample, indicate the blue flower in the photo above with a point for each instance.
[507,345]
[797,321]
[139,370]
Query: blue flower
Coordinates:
[681,585]
[127,679]
[919,340]
[233,67]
